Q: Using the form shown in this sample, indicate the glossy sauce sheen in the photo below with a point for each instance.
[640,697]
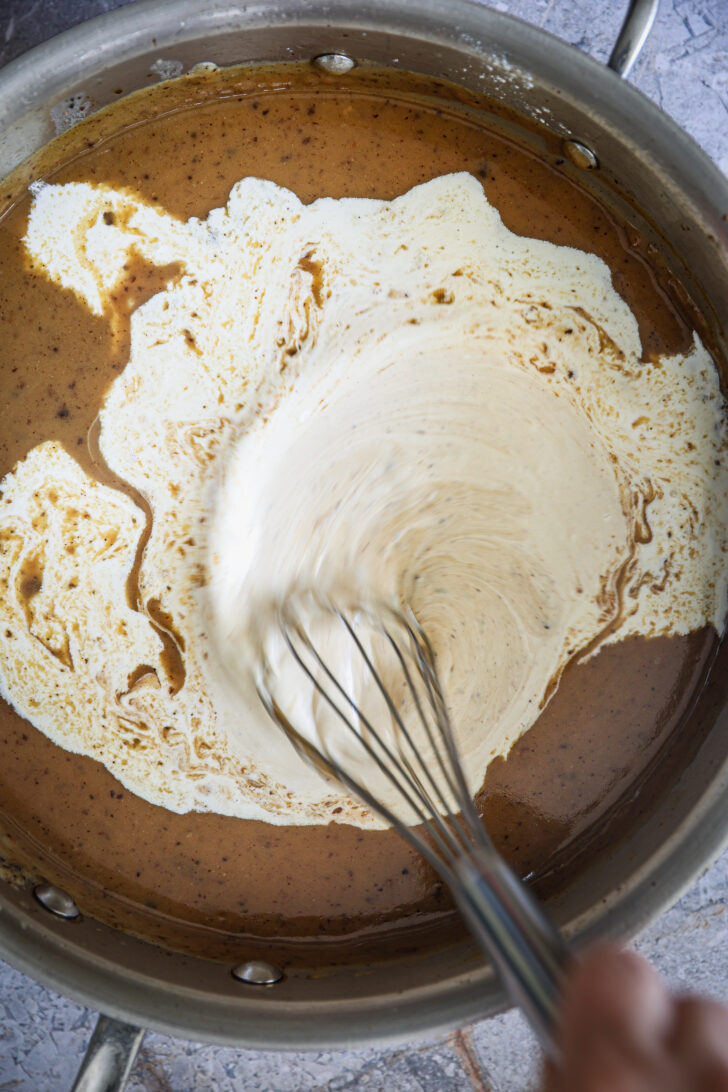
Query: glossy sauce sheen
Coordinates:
[210,884]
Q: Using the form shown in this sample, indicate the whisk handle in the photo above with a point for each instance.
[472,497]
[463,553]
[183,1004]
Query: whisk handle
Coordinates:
[526,949]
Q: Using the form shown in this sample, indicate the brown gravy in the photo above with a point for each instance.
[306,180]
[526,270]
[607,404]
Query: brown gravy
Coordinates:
[209,884]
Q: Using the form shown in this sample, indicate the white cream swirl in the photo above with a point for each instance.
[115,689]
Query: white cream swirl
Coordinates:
[399,395]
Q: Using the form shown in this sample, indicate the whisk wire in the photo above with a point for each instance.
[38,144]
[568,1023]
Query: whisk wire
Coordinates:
[425,661]
[446,828]
[311,754]
[431,820]
[446,805]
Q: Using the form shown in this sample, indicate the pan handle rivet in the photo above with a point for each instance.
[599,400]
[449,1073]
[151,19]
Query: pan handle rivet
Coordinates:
[336,63]
[580,155]
[56,901]
[257,973]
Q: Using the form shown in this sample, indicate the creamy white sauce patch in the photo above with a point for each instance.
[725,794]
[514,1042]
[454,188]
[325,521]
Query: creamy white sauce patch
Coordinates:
[402,396]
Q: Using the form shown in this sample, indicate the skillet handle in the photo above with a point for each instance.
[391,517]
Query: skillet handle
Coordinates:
[109,1056]
[633,35]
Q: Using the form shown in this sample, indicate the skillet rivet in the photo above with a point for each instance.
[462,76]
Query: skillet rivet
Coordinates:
[580,155]
[336,63]
[257,973]
[56,901]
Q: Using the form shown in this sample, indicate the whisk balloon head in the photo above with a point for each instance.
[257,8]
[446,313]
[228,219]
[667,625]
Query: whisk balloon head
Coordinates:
[355,688]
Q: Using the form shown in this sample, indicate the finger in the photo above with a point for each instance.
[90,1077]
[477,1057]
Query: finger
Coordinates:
[617,994]
[699,1041]
[616,1015]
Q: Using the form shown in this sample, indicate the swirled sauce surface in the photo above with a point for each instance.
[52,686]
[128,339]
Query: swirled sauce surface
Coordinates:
[402,396]
[469,341]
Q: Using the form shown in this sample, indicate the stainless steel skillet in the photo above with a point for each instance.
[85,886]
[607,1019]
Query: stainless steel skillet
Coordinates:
[662,171]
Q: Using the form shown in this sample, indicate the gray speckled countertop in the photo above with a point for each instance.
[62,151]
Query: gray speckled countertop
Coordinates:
[684,68]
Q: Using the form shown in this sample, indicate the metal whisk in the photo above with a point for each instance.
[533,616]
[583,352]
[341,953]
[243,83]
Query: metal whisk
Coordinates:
[376,721]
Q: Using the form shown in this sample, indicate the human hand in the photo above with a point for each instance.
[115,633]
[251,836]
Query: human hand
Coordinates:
[623,1031]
